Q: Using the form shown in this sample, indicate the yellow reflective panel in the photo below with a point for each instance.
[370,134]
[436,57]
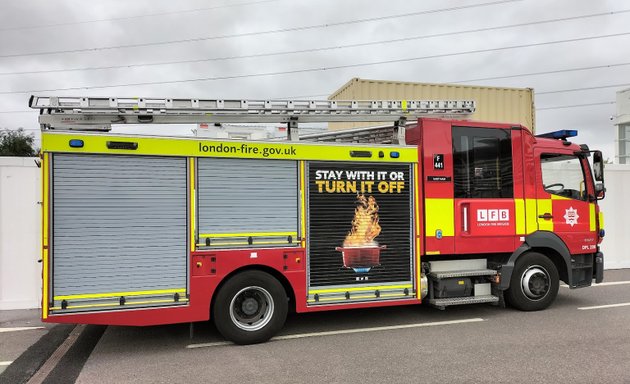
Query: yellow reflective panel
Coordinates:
[58,142]
[117,294]
[545,206]
[302,204]
[45,218]
[252,234]
[440,214]
[359,289]
[116,303]
[531,216]
[193,205]
[519,208]
[417,231]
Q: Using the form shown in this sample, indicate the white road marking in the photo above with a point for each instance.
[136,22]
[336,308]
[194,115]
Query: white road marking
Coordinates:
[603,284]
[5,363]
[346,331]
[207,345]
[605,306]
[612,283]
[19,329]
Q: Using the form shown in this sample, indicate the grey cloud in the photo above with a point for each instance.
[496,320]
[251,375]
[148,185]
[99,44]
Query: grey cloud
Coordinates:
[593,121]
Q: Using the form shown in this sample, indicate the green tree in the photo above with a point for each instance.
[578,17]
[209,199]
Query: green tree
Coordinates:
[16,143]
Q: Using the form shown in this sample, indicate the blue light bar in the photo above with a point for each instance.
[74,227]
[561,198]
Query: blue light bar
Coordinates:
[562,134]
[394,154]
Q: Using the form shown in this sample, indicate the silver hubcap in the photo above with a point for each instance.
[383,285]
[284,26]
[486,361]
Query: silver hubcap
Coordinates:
[251,308]
[535,282]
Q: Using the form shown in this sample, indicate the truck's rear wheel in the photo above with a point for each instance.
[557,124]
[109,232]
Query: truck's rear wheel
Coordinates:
[534,283]
[250,308]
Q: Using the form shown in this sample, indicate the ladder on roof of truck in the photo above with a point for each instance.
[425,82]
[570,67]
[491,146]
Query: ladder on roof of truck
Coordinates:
[382,134]
[99,113]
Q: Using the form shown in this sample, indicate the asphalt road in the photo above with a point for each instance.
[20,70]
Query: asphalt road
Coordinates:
[472,344]
[18,331]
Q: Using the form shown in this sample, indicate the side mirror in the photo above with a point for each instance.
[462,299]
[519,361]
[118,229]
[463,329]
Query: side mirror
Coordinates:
[598,173]
[598,166]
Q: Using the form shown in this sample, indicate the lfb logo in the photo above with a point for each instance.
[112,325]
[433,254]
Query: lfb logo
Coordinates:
[493,215]
[571,216]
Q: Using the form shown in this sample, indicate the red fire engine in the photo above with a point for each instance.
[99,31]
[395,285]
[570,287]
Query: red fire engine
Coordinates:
[145,230]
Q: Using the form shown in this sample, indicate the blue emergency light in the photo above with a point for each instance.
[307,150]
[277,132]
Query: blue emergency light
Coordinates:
[562,134]
[76,143]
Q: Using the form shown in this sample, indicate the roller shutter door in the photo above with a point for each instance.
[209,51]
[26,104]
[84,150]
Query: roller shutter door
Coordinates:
[119,231]
[247,203]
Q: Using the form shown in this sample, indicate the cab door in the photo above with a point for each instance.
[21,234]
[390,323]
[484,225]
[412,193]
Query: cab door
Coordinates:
[483,171]
[563,199]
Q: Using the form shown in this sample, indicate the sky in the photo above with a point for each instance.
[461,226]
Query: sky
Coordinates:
[573,53]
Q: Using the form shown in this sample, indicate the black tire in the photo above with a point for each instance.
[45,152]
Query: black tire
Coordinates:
[250,308]
[534,283]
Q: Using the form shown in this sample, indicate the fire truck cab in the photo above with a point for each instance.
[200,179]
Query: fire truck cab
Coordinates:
[526,205]
[146,230]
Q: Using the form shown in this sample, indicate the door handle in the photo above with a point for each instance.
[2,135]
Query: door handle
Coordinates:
[465,220]
[546,216]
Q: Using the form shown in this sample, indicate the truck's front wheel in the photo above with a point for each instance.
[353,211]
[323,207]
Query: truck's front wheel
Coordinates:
[534,283]
[250,308]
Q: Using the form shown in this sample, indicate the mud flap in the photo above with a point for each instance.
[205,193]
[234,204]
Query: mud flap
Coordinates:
[599,267]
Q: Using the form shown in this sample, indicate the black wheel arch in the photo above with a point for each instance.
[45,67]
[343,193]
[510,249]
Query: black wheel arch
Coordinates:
[257,267]
[547,243]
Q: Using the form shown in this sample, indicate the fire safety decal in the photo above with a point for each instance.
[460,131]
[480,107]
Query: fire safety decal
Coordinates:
[359,223]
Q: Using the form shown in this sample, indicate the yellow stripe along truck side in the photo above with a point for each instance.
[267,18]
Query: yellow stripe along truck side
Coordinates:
[195,147]
[526,216]
[303,204]
[417,233]
[118,294]
[544,206]
[45,224]
[592,221]
[192,203]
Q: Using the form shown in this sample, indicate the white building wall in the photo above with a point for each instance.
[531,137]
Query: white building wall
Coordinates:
[20,222]
[616,208]
[622,132]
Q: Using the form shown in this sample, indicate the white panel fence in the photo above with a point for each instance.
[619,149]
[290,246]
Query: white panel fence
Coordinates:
[20,221]
[20,238]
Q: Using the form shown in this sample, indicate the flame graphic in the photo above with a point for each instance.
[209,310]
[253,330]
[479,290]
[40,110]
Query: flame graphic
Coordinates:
[365,225]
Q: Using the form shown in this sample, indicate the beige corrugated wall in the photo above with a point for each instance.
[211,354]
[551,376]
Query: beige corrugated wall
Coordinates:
[497,105]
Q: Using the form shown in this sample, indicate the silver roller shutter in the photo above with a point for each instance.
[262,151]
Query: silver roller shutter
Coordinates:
[119,230]
[247,202]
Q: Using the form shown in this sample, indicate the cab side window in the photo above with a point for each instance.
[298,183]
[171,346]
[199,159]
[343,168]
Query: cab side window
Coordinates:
[482,160]
[562,175]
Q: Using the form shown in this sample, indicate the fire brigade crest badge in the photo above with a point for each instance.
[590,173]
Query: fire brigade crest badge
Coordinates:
[571,216]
